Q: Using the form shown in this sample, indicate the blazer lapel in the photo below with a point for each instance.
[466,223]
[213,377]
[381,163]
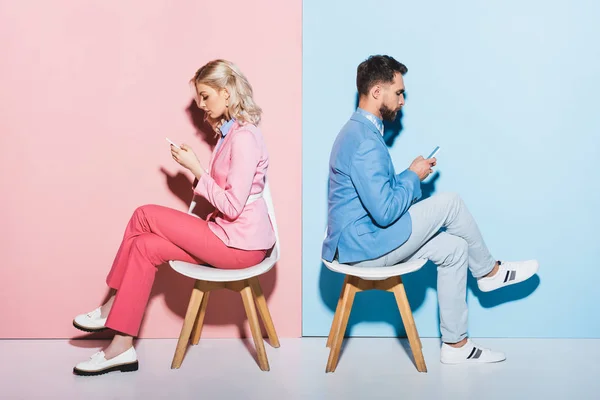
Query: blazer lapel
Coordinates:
[217,152]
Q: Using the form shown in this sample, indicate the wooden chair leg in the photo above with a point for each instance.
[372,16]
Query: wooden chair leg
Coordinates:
[188,323]
[409,325]
[338,311]
[341,325]
[263,310]
[197,332]
[255,327]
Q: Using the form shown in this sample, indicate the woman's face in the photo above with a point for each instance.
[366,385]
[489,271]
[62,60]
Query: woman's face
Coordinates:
[213,102]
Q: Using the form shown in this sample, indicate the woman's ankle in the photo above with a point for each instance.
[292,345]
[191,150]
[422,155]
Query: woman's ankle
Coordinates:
[106,307]
[119,345]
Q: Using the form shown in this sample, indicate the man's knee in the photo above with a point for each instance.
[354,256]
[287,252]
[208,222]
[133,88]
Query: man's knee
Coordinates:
[454,250]
[450,198]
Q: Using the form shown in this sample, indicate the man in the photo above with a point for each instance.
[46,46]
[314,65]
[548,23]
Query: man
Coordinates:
[375,220]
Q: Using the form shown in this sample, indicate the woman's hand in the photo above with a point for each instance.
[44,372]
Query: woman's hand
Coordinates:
[187,159]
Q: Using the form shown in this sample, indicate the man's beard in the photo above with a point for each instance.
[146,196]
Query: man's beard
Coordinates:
[387,113]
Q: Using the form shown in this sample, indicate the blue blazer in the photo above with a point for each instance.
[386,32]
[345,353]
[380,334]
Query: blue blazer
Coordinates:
[367,201]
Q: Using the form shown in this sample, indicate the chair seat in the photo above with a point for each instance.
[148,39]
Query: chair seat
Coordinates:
[211,274]
[376,273]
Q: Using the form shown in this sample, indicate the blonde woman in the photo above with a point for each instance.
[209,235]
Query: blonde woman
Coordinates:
[236,235]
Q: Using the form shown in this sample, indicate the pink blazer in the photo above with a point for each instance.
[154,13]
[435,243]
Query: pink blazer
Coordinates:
[237,169]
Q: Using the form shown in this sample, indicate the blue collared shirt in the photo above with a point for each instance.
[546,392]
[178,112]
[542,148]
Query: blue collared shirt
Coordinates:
[378,122]
[225,128]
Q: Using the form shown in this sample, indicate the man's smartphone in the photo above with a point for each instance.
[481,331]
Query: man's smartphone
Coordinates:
[434,152]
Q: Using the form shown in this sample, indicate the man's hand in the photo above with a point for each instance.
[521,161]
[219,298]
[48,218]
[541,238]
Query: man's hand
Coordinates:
[422,167]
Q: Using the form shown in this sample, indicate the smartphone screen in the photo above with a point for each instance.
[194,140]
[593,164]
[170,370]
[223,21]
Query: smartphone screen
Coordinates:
[434,152]
[170,141]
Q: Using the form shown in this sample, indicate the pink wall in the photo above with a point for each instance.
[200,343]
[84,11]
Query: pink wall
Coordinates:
[88,91]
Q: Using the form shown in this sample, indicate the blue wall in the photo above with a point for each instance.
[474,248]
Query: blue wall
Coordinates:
[509,90]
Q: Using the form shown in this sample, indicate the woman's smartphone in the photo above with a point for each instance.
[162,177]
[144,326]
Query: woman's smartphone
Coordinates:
[170,141]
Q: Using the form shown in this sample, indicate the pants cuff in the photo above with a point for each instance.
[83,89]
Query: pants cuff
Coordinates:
[121,329]
[487,271]
[111,284]
[453,339]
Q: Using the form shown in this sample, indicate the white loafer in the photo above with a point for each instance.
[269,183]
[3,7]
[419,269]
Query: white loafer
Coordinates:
[90,322]
[98,364]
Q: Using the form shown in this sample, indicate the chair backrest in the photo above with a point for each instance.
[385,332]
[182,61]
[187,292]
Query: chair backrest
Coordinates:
[274,256]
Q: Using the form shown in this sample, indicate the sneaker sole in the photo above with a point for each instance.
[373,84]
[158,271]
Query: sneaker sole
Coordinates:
[89,330]
[130,367]
[472,362]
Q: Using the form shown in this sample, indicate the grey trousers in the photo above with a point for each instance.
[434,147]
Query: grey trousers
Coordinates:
[454,250]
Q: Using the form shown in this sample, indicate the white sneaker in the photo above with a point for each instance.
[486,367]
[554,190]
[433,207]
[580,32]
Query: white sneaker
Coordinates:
[98,364]
[90,322]
[469,353]
[509,273]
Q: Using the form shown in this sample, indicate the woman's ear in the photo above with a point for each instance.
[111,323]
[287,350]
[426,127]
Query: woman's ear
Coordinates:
[225,93]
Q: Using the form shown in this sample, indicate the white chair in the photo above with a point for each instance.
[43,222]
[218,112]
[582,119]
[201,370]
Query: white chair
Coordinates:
[245,281]
[359,279]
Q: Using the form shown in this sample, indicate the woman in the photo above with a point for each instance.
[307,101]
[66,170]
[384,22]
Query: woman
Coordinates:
[236,235]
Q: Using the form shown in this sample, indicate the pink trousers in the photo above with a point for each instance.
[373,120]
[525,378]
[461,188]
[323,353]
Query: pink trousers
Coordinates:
[154,236]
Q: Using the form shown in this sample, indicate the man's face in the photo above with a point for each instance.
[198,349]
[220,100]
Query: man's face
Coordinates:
[392,98]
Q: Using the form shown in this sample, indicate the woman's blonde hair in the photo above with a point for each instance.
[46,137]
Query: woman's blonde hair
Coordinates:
[223,74]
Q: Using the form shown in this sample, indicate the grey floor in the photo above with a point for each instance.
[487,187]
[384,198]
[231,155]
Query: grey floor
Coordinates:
[369,369]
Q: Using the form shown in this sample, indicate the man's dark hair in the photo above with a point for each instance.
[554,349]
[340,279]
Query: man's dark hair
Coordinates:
[375,70]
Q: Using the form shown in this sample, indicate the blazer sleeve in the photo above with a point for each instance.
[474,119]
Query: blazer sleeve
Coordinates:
[385,196]
[230,201]
[404,178]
